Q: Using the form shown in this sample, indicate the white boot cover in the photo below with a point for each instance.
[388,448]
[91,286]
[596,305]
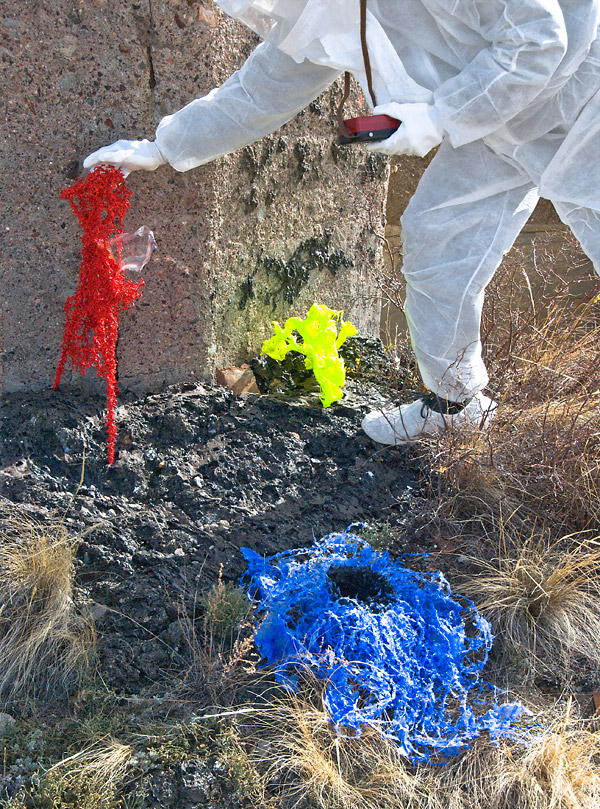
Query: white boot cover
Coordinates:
[409,422]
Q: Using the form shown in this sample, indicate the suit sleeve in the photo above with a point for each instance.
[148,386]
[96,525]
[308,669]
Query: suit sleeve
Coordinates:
[267,91]
[527,41]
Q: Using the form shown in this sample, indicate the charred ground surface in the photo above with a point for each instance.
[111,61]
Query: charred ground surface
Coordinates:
[165,716]
[199,473]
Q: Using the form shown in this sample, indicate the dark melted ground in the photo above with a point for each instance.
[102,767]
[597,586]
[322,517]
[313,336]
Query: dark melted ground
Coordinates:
[199,473]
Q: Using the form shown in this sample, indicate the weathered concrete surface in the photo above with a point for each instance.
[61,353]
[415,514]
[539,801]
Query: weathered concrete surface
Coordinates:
[255,236]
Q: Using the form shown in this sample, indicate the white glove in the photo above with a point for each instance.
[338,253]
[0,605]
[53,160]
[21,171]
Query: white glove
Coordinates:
[127,155]
[420,131]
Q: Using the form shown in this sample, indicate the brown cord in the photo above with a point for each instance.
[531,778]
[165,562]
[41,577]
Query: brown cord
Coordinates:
[343,129]
[365,51]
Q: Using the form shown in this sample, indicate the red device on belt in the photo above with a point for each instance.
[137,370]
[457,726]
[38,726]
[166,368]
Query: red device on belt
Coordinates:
[367,129]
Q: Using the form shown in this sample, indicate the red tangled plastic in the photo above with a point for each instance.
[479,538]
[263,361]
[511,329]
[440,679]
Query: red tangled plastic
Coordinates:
[91,331]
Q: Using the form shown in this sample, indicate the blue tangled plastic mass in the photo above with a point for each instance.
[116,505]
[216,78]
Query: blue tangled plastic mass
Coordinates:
[395,649]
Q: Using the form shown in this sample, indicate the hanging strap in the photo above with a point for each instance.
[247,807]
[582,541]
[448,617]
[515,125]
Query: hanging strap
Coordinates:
[365,52]
[342,128]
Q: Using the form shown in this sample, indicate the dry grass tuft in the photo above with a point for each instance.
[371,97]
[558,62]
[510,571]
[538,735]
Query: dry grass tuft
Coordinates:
[542,600]
[220,642]
[559,771]
[297,760]
[46,641]
[226,608]
[540,457]
[90,779]
[543,351]
[302,760]
[102,767]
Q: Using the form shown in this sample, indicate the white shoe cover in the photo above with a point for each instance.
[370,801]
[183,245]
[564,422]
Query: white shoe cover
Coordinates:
[409,422]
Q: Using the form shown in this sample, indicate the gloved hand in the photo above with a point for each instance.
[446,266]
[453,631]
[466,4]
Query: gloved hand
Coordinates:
[420,131]
[127,155]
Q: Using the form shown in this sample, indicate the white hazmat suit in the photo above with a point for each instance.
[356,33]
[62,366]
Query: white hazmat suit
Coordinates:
[511,86]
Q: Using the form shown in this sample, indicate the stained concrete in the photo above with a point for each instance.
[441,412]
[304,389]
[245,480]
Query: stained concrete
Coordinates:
[231,235]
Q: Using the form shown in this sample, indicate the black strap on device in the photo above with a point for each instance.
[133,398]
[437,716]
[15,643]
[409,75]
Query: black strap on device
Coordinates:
[365,51]
[439,405]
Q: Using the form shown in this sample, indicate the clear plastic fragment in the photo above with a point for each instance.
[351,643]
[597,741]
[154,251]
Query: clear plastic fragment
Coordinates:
[132,251]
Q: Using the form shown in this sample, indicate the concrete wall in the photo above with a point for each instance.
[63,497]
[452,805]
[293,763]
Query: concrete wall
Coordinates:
[253,237]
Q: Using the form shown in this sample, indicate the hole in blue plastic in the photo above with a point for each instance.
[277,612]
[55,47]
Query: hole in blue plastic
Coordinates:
[395,649]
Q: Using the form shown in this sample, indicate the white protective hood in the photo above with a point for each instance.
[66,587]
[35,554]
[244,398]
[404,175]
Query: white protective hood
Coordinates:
[327,32]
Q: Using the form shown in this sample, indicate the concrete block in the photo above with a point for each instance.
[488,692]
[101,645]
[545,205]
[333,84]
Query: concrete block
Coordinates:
[251,238]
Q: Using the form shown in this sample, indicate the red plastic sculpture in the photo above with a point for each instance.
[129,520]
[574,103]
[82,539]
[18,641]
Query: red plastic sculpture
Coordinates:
[103,292]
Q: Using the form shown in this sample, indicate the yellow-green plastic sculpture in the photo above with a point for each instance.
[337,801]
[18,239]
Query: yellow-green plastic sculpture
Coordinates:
[320,343]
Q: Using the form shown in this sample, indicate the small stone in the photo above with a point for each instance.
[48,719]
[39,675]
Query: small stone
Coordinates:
[196,780]
[239,379]
[206,15]
[68,80]
[98,611]
[6,723]
[68,46]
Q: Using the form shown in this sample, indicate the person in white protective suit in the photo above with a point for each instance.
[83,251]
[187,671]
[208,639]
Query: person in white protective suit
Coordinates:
[508,89]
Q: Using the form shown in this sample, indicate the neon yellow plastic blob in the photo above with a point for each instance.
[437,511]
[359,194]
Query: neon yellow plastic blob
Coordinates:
[320,343]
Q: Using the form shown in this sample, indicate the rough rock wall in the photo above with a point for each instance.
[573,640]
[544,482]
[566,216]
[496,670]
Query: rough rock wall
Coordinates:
[253,237]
